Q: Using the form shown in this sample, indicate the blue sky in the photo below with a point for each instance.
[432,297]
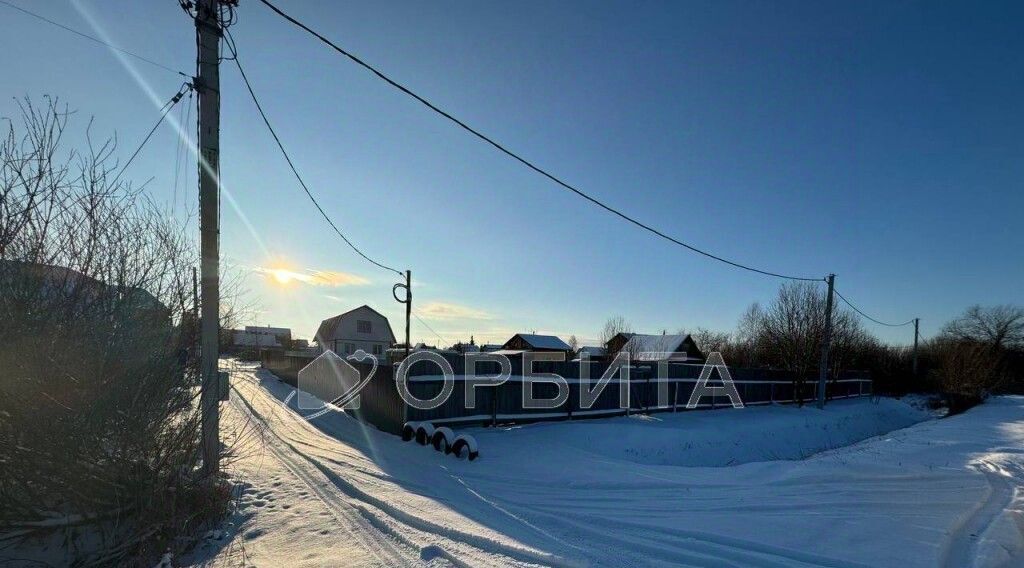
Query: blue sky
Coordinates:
[879,141]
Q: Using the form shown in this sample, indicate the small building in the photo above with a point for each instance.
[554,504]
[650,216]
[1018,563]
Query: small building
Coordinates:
[592,352]
[675,348]
[535,342]
[362,328]
[261,336]
[490,347]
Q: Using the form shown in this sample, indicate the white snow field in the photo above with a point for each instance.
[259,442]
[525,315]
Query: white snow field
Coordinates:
[769,486]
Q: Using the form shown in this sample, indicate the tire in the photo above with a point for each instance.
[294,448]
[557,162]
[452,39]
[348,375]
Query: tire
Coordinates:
[409,431]
[465,444]
[424,434]
[442,439]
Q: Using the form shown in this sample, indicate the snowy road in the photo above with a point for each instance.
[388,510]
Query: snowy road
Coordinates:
[332,492]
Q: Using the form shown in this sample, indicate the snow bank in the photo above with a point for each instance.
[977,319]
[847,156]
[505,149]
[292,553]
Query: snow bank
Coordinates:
[710,437]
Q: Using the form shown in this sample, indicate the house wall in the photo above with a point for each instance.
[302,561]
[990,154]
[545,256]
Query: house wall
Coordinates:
[346,337]
[615,344]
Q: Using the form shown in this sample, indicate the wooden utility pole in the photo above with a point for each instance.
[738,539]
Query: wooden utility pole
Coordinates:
[826,343]
[917,323]
[408,308]
[208,35]
[408,304]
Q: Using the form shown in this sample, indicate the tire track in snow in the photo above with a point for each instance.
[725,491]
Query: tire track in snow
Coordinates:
[961,548]
[382,549]
[693,548]
[370,508]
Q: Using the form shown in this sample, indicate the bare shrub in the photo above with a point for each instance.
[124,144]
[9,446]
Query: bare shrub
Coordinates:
[98,394]
[967,371]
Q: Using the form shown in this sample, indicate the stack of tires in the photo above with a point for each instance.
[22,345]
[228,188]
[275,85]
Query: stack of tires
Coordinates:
[443,439]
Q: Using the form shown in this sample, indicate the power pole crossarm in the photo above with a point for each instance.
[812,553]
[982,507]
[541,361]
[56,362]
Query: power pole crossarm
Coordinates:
[826,342]
[208,35]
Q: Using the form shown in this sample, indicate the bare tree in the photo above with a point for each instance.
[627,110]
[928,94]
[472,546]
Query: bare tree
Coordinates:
[574,344]
[1001,327]
[614,326]
[709,341]
[788,334]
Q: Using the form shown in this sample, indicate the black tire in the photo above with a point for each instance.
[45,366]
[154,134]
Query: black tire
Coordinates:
[408,432]
[458,448]
[442,439]
[423,435]
[441,443]
[462,445]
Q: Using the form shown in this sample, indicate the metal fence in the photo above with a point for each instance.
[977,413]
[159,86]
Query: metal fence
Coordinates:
[381,405]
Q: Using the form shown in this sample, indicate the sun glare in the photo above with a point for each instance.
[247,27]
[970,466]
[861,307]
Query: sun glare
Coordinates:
[282,276]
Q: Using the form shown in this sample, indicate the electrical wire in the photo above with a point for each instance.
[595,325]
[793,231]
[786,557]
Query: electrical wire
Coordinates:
[166,110]
[291,165]
[93,38]
[856,309]
[419,319]
[178,152]
[524,161]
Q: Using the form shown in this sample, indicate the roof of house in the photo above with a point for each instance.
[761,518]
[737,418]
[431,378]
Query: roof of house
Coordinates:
[648,347]
[68,280]
[542,341]
[268,329]
[328,326]
[593,350]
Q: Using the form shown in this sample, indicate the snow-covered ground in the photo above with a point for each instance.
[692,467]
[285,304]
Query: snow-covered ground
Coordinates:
[767,486]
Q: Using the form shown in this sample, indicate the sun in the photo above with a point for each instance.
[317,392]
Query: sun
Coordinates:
[282,276]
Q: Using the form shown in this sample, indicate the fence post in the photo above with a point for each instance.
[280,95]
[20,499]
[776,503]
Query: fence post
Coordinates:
[494,406]
[629,389]
[568,400]
[771,392]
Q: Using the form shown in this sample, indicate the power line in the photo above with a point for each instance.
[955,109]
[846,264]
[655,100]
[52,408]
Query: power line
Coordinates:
[419,319]
[166,110]
[180,148]
[291,165]
[92,38]
[522,160]
[856,309]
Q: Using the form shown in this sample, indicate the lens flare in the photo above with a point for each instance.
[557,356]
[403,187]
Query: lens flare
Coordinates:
[282,276]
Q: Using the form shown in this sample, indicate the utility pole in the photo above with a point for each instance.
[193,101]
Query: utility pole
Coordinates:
[208,35]
[408,304]
[826,342]
[917,323]
[408,308]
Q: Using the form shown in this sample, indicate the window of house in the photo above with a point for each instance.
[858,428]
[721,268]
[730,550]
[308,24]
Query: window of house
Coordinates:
[350,348]
[364,326]
[378,349]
